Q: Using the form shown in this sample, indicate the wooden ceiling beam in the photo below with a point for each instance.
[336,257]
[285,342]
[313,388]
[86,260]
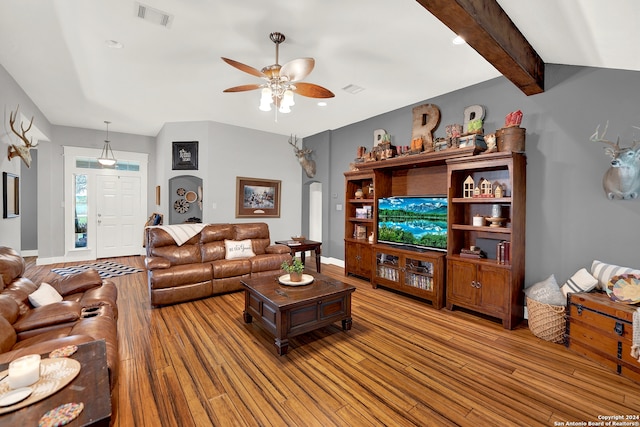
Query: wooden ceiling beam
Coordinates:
[489,30]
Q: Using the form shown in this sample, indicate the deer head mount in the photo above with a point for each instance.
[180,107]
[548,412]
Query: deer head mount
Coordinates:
[303,154]
[23,151]
[622,179]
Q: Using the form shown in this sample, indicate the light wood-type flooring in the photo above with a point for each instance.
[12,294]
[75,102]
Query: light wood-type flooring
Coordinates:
[402,364]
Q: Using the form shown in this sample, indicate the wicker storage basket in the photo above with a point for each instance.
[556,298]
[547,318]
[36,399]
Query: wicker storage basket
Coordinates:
[547,321]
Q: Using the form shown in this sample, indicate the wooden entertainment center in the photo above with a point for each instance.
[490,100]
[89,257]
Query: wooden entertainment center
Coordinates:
[484,285]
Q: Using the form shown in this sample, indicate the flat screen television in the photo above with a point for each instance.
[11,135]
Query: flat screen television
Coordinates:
[413,221]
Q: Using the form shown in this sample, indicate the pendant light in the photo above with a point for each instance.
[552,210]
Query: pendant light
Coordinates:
[106,157]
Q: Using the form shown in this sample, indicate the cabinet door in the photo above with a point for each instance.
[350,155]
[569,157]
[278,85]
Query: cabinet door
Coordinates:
[351,257]
[358,258]
[493,286]
[461,283]
[365,260]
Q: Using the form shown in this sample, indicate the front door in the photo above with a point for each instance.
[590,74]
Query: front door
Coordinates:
[118,216]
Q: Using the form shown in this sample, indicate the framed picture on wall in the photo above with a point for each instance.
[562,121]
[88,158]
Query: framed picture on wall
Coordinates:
[185,155]
[10,195]
[257,198]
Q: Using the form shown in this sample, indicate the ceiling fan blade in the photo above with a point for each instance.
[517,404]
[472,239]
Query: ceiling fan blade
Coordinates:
[243,88]
[243,67]
[312,91]
[297,69]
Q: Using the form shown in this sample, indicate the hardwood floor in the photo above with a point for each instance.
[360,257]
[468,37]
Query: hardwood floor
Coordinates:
[403,363]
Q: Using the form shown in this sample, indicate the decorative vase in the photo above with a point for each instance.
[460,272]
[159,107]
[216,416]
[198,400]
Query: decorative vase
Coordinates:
[295,277]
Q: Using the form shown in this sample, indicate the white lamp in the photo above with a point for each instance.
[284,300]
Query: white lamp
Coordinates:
[265,99]
[106,157]
[287,101]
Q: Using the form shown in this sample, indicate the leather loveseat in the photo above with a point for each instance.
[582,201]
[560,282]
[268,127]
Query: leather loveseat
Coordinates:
[87,312]
[206,264]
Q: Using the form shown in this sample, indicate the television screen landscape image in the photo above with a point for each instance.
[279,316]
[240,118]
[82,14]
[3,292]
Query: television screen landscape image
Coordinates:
[413,221]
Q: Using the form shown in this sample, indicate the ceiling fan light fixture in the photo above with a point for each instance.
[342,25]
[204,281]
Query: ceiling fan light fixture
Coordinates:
[287,98]
[281,81]
[265,99]
[284,108]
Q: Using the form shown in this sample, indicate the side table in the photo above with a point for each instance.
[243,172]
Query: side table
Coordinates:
[307,245]
[90,387]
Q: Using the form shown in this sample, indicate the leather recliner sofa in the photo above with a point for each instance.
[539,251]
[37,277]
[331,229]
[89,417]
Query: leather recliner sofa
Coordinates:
[200,267]
[87,312]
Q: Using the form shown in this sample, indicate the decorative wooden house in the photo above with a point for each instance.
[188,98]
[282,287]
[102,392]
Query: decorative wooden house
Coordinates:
[486,188]
[469,186]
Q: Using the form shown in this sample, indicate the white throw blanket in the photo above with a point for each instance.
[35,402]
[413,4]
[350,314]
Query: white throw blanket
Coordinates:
[635,348]
[182,232]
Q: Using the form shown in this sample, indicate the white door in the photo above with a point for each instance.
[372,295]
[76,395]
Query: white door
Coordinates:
[118,216]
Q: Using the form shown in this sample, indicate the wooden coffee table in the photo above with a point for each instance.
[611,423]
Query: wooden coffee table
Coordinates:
[90,387]
[287,311]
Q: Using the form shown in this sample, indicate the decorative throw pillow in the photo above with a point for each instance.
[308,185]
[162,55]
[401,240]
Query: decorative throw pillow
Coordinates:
[581,281]
[44,295]
[547,292]
[238,249]
[604,272]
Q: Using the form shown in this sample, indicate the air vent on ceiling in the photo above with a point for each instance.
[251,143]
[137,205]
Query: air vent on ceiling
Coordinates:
[155,16]
[353,89]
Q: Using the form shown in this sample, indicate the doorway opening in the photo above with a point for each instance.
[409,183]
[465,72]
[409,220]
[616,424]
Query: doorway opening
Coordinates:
[315,211]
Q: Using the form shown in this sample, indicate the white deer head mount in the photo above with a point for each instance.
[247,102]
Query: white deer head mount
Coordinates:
[303,155]
[622,179]
[23,151]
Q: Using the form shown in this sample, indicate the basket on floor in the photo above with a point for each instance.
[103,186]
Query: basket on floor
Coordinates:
[547,321]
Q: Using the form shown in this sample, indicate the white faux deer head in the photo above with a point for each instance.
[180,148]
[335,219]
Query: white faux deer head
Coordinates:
[302,154]
[622,179]
[18,149]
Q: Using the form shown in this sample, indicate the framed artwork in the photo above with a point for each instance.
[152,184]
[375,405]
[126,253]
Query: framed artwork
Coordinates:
[185,155]
[10,195]
[257,198]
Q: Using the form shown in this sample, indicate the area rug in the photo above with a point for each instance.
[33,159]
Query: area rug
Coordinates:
[106,269]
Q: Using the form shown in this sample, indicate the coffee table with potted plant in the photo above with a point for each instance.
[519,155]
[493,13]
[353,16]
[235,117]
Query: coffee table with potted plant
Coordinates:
[287,308]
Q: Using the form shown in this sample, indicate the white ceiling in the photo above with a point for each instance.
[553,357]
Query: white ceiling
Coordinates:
[399,53]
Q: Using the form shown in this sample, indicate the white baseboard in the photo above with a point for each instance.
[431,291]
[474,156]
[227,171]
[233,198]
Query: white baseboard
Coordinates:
[47,261]
[29,253]
[332,261]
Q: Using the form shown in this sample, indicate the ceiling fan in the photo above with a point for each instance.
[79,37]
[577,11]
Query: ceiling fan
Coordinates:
[282,81]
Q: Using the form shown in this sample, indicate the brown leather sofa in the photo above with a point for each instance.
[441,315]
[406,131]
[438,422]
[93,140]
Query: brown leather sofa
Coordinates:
[88,312]
[200,267]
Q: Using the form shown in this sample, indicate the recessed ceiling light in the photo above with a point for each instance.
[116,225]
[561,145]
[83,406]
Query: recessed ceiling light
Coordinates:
[114,44]
[322,104]
[459,40]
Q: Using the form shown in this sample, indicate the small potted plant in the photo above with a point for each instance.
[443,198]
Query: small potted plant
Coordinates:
[294,269]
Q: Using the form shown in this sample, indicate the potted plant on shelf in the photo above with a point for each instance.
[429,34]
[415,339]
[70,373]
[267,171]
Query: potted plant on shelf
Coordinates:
[294,269]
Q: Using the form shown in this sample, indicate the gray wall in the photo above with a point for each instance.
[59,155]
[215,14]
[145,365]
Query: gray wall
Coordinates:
[570,222]
[12,96]
[29,205]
